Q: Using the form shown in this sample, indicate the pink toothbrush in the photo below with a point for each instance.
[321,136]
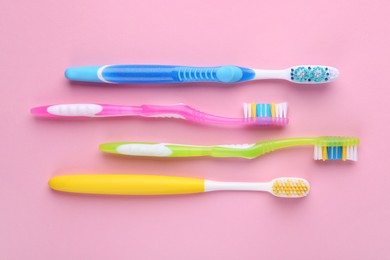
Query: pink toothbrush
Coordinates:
[254,114]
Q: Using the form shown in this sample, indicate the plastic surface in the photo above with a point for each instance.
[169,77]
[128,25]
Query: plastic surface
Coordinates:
[249,152]
[85,73]
[113,184]
[155,74]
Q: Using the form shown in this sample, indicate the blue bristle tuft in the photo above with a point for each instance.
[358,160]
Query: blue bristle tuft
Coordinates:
[269,114]
[263,110]
[334,152]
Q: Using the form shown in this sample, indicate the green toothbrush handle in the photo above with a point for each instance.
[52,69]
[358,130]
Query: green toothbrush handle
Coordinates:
[235,150]
[178,150]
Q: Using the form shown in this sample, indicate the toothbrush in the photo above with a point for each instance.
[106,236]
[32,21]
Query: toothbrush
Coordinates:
[156,74]
[166,185]
[254,114]
[325,148]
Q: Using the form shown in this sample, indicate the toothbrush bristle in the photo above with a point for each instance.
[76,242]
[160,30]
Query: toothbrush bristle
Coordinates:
[313,74]
[336,148]
[335,153]
[256,110]
[290,187]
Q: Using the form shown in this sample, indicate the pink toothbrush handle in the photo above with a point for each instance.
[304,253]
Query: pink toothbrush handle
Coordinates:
[174,111]
[85,110]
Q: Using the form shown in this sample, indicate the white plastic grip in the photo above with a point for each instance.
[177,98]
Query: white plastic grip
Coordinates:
[69,110]
[156,150]
[272,74]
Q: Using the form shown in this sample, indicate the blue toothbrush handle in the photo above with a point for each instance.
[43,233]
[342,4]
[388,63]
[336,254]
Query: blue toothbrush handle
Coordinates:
[155,74]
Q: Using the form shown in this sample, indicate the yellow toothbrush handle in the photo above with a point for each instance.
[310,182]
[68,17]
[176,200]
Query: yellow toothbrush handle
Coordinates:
[126,184]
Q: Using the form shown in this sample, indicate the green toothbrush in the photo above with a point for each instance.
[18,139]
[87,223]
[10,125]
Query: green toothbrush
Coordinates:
[325,148]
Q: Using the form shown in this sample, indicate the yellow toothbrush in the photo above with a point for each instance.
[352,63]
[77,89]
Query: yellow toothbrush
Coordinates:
[120,184]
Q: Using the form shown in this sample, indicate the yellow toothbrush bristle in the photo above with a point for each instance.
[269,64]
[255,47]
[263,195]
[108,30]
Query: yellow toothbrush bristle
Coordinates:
[344,153]
[324,153]
[273,110]
[290,187]
[276,188]
[253,110]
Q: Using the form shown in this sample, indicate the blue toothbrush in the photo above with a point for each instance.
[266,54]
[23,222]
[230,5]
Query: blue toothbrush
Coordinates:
[156,74]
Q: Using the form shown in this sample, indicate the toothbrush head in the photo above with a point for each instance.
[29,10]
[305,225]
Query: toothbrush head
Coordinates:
[313,74]
[336,148]
[274,112]
[290,187]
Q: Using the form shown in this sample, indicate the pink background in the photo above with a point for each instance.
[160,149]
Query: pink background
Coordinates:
[347,214]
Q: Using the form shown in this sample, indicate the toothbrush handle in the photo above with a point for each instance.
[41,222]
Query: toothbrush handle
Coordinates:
[127,184]
[177,150]
[155,74]
[179,111]
[107,110]
[86,110]
[248,151]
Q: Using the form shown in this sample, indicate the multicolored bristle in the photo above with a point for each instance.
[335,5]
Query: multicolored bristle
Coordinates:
[313,74]
[255,110]
[335,153]
[336,148]
[290,187]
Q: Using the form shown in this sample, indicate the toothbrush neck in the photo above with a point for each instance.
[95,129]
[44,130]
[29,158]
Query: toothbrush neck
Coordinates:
[288,142]
[249,186]
[272,74]
[257,149]
[113,110]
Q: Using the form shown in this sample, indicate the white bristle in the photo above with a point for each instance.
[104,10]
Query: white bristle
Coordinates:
[349,152]
[284,110]
[245,106]
[317,152]
[278,110]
